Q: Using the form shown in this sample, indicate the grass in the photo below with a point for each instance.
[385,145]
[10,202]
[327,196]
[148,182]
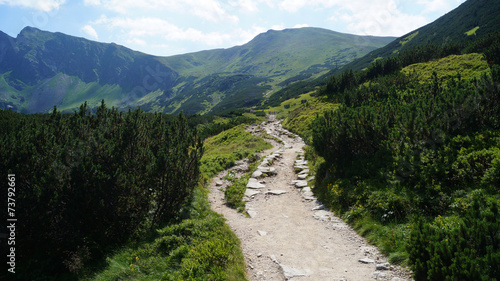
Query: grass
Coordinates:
[222,150]
[299,119]
[201,247]
[472,31]
[408,38]
[468,66]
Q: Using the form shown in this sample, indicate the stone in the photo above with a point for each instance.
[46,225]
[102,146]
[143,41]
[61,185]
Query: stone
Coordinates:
[302,176]
[273,258]
[311,178]
[251,213]
[290,272]
[301,162]
[261,233]
[276,192]
[323,215]
[300,183]
[366,260]
[383,266]
[305,171]
[300,167]
[257,174]
[306,189]
[250,192]
[254,184]
[219,183]
[380,275]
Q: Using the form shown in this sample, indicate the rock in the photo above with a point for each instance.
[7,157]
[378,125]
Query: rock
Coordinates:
[323,215]
[289,272]
[300,183]
[273,258]
[383,266]
[302,176]
[305,171]
[219,183]
[259,255]
[301,162]
[261,233]
[380,275]
[250,192]
[276,192]
[366,260]
[320,207]
[306,189]
[311,178]
[257,174]
[251,213]
[254,184]
[300,167]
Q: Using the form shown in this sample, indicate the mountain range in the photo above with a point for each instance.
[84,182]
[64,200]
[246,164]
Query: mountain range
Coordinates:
[40,69]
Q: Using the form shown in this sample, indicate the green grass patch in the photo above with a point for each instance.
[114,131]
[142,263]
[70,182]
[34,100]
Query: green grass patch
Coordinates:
[299,119]
[472,31]
[222,150]
[235,192]
[408,38]
[468,66]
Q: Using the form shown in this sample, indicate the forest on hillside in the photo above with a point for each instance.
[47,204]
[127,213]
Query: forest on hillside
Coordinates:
[417,161]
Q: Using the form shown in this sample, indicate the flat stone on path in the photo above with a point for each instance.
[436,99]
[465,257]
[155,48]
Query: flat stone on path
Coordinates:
[250,193]
[366,260]
[290,272]
[257,174]
[322,215]
[254,184]
[251,213]
[261,233]
[276,192]
[300,183]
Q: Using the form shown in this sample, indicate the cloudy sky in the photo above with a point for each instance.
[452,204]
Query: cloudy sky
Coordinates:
[169,27]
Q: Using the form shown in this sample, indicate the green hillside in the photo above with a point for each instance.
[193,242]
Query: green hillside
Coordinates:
[41,69]
[470,21]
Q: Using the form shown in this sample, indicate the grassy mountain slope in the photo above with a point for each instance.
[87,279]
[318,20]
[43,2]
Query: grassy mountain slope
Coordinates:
[470,21]
[41,69]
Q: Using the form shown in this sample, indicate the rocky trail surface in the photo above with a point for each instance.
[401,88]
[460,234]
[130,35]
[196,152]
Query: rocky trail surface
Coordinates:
[288,234]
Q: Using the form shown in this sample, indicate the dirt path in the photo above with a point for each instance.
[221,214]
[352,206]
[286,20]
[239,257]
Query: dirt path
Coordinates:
[291,236]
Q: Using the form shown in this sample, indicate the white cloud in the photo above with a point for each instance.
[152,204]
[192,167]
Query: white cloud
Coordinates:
[301,25]
[40,5]
[154,27]
[210,10]
[92,2]
[90,31]
[246,5]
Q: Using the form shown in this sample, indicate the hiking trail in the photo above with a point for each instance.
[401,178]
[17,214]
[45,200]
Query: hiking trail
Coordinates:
[289,235]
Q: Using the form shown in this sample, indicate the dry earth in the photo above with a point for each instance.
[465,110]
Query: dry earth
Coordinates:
[292,236]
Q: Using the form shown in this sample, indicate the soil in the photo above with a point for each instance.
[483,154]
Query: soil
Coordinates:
[289,237]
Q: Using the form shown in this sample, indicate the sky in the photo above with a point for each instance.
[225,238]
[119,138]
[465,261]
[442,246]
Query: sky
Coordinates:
[171,27]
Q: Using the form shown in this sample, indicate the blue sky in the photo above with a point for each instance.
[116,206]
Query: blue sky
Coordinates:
[170,27]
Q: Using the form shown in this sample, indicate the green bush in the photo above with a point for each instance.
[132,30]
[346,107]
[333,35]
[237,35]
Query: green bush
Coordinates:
[89,182]
[464,250]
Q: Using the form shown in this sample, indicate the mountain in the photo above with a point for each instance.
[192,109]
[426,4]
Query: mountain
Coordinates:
[470,21]
[40,69]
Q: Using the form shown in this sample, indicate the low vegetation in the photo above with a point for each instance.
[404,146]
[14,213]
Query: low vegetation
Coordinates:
[411,161]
